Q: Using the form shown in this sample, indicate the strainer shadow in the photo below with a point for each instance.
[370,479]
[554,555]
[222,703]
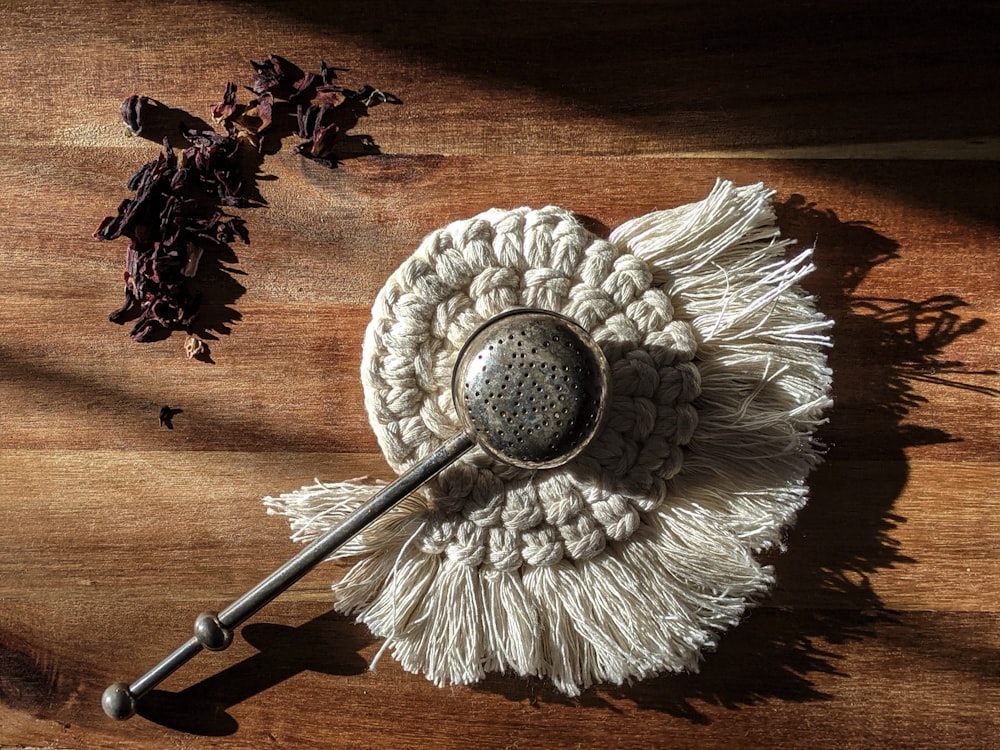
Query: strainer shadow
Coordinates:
[794,646]
[327,644]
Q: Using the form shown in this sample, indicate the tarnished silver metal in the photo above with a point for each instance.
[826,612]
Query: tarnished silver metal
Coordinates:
[530,388]
[211,633]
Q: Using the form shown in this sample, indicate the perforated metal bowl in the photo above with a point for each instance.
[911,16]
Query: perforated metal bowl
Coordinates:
[533,386]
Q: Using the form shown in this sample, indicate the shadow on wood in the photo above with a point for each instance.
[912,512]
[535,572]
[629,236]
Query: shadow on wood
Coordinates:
[326,644]
[844,537]
[682,68]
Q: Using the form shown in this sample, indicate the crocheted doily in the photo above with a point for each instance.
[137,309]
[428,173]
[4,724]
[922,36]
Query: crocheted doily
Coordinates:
[629,560]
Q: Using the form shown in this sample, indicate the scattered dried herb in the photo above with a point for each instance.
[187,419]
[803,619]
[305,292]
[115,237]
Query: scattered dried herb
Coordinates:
[167,416]
[324,111]
[176,217]
[171,221]
[132,113]
[194,347]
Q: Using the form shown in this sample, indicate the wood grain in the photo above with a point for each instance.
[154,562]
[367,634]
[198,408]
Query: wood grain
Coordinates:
[877,126]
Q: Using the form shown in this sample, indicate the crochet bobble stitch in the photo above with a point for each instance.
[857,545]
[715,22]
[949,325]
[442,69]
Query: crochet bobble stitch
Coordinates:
[484,512]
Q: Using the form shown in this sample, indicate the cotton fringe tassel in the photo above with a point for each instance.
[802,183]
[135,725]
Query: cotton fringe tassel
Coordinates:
[652,603]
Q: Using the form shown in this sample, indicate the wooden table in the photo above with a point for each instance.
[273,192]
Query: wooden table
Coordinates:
[878,125]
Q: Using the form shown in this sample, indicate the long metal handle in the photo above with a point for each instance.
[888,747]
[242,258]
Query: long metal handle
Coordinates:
[215,631]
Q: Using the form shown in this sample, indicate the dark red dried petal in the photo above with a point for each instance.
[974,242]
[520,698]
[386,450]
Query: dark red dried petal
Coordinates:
[324,140]
[224,110]
[125,311]
[304,88]
[106,229]
[132,113]
[276,75]
[170,220]
[330,94]
[262,109]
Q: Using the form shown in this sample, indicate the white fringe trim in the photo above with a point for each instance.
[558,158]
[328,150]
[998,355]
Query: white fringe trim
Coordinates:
[652,603]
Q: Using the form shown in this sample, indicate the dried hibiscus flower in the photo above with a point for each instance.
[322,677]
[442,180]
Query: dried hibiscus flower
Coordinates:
[174,219]
[225,109]
[335,111]
[325,111]
[132,110]
[169,228]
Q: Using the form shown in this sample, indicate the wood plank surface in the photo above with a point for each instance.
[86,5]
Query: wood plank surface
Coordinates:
[879,127]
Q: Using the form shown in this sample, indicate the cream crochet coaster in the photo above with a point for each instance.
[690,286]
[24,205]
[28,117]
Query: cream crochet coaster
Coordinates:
[631,559]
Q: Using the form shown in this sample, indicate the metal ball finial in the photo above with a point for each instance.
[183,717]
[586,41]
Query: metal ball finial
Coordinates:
[211,633]
[118,701]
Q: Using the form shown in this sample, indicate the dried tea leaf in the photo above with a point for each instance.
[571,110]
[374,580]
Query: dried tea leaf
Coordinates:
[173,219]
[224,110]
[169,230]
[132,111]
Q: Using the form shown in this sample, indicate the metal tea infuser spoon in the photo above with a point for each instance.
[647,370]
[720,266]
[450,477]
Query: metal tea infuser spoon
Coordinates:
[530,388]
